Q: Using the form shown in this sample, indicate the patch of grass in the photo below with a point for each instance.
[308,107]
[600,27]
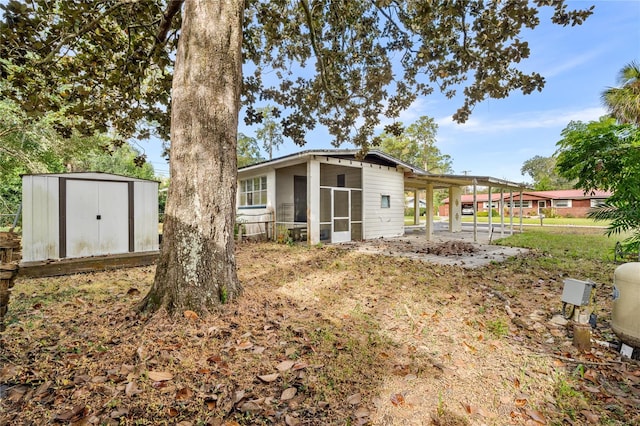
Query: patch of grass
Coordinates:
[569,400]
[557,221]
[565,242]
[498,327]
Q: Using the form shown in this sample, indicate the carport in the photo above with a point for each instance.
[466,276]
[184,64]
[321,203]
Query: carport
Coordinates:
[455,184]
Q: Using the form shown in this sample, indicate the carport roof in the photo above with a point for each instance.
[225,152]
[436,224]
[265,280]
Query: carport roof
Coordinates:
[440,181]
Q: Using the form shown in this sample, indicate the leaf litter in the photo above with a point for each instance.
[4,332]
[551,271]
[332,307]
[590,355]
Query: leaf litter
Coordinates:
[320,336]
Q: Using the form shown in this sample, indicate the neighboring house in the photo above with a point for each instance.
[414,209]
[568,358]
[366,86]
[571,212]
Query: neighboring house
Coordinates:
[566,202]
[410,200]
[333,196]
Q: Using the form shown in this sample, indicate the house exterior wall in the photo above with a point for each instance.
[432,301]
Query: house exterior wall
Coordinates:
[378,221]
[284,183]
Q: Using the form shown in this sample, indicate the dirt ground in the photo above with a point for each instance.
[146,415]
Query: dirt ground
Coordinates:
[385,333]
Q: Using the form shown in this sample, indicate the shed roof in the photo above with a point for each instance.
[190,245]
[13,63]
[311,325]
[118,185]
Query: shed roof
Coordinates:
[92,176]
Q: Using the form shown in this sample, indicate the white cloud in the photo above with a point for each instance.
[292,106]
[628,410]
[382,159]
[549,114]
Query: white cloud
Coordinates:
[521,121]
[573,62]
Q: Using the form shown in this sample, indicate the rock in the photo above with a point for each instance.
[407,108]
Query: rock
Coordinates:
[558,320]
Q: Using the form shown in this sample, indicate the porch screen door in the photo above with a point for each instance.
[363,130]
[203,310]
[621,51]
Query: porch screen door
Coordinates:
[341,215]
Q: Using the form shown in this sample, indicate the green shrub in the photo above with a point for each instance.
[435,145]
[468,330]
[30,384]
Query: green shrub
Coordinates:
[408,211]
[494,213]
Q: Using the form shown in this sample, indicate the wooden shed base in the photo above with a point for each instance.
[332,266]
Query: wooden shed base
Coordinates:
[52,268]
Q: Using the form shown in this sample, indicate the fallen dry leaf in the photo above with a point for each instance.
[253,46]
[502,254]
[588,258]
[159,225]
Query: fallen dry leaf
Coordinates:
[285,365]
[471,410]
[288,394]
[250,407]
[160,376]
[184,394]
[591,417]
[244,345]
[354,399]
[73,414]
[131,389]
[299,366]
[592,376]
[397,399]
[291,421]
[190,315]
[536,415]
[268,378]
[361,412]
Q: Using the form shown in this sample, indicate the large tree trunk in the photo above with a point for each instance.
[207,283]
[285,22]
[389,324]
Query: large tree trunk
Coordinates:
[197,270]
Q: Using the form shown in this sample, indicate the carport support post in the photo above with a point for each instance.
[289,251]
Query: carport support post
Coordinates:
[501,204]
[455,209]
[428,227]
[416,207]
[475,211]
[313,201]
[511,212]
[490,228]
[521,211]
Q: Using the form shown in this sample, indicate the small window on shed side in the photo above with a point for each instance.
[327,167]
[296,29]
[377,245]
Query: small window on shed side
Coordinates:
[385,201]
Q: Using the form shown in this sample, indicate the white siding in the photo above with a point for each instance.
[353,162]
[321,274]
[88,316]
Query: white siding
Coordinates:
[145,199]
[40,218]
[383,222]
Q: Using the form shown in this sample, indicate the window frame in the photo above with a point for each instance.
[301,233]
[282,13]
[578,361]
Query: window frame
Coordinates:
[247,197]
[384,197]
[516,204]
[562,203]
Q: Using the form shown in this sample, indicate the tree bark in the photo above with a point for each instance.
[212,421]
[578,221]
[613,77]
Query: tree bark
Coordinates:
[197,269]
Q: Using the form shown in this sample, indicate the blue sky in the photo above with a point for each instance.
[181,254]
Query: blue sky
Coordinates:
[578,63]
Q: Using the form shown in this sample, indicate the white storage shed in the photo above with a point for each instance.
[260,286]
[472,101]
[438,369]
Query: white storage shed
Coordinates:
[72,215]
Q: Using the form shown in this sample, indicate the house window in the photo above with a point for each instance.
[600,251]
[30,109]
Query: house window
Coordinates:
[385,201]
[341,181]
[494,205]
[561,204]
[525,204]
[598,202]
[253,192]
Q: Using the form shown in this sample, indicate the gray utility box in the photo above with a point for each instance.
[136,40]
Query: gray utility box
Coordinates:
[577,292]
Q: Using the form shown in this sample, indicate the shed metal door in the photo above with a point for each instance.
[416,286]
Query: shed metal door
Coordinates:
[97,218]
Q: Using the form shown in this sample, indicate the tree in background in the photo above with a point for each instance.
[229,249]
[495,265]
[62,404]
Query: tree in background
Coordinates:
[115,64]
[624,102]
[29,145]
[544,174]
[417,145]
[248,151]
[121,160]
[605,155]
[270,132]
